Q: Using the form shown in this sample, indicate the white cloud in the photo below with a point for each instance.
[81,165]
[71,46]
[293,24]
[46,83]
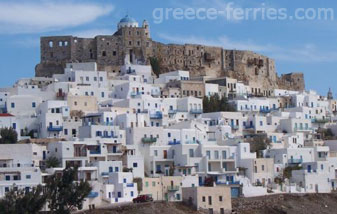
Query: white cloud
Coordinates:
[43,16]
[307,53]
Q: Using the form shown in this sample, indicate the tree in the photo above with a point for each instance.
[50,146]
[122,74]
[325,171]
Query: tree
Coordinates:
[215,104]
[18,201]
[64,193]
[52,162]
[259,143]
[155,64]
[8,136]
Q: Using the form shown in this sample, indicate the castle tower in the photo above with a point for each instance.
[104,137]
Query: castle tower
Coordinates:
[330,96]
[146,26]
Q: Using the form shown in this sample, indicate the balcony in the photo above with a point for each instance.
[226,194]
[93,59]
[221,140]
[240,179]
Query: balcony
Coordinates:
[105,173]
[249,127]
[130,71]
[192,142]
[171,143]
[149,140]
[196,111]
[295,161]
[130,185]
[135,93]
[95,152]
[265,111]
[171,111]
[228,183]
[155,93]
[212,139]
[319,120]
[93,195]
[60,94]
[173,188]
[157,115]
[235,127]
[55,128]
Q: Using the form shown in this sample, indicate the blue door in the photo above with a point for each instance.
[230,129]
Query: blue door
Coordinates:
[235,192]
[309,168]
[200,181]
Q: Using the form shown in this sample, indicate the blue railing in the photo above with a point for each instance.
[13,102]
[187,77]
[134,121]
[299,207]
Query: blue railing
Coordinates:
[265,111]
[174,142]
[95,152]
[55,128]
[93,195]
[105,173]
[295,161]
[171,111]
[192,142]
[134,93]
[157,115]
[249,126]
[196,111]
[130,185]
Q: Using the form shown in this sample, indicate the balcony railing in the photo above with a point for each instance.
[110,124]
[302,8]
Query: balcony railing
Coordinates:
[171,111]
[265,111]
[95,152]
[157,115]
[135,93]
[295,161]
[173,188]
[149,140]
[174,142]
[249,126]
[105,173]
[55,128]
[192,142]
[196,111]
[130,185]
[235,127]
[92,195]
[319,120]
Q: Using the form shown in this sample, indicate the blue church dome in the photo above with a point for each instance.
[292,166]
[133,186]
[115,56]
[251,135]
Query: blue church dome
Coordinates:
[127,19]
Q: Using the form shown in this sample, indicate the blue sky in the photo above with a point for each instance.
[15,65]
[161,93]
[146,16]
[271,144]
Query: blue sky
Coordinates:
[307,46]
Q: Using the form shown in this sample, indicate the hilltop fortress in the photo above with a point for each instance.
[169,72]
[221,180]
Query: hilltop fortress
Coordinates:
[109,52]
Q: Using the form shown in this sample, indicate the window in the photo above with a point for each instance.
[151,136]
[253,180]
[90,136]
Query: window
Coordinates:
[209,200]
[153,183]
[135,165]
[8,178]
[262,167]
[220,198]
[191,151]
[51,44]
[103,53]
[33,105]
[146,184]
[203,199]
[28,176]
[12,105]
[155,153]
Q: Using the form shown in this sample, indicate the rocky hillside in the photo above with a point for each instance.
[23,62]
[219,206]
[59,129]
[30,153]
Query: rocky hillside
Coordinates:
[274,204]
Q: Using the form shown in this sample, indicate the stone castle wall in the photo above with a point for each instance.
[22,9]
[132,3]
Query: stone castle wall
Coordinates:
[109,52]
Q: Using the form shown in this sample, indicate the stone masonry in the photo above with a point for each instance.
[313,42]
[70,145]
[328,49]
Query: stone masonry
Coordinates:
[109,52]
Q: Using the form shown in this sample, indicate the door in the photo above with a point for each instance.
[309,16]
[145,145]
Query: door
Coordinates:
[165,154]
[88,176]
[309,168]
